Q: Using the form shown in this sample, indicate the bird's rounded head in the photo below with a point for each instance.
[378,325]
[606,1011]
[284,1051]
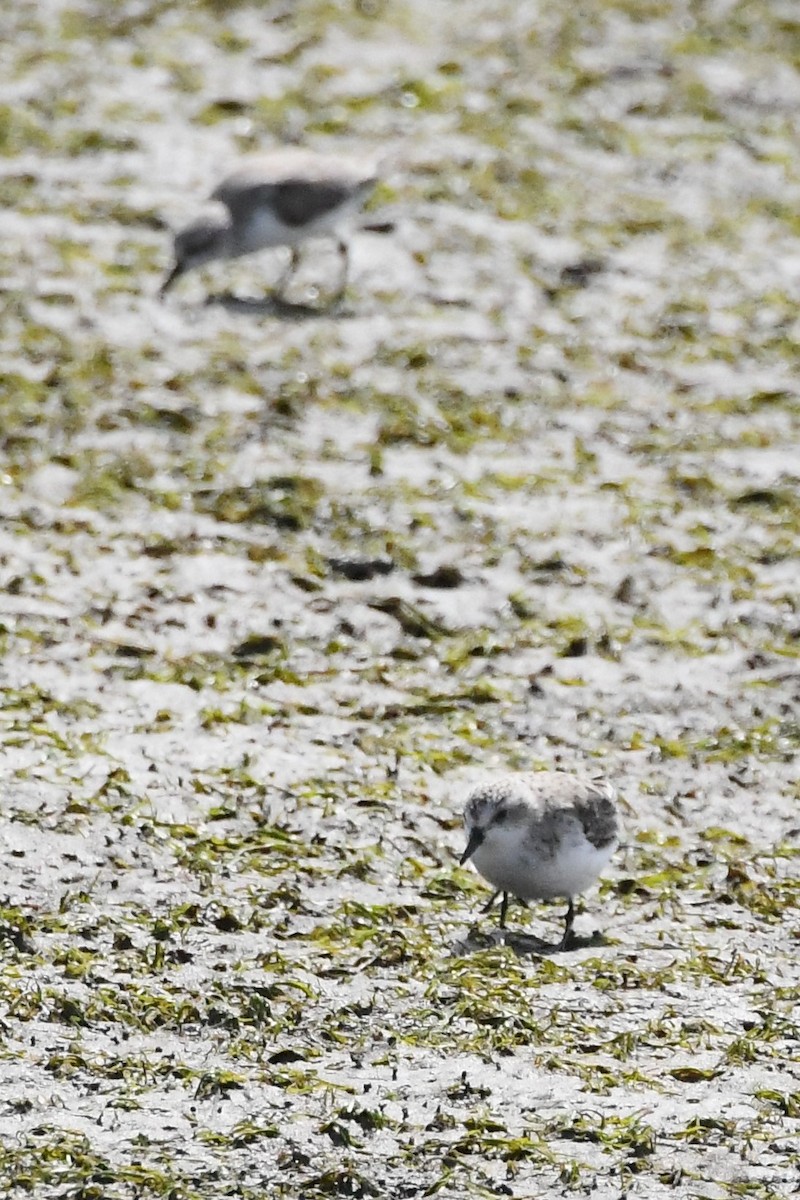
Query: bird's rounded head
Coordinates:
[199,242]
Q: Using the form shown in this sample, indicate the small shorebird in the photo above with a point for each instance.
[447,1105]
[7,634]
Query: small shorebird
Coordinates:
[279,199]
[540,836]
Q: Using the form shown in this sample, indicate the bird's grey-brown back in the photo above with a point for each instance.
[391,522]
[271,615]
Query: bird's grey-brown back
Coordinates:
[305,183]
[548,802]
[598,814]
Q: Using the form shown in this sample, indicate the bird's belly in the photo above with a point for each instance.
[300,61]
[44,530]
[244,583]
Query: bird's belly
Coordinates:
[533,876]
[263,230]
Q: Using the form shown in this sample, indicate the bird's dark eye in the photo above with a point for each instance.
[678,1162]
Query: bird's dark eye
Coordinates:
[501,816]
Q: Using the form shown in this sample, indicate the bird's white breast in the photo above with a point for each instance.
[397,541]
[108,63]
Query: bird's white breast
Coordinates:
[513,864]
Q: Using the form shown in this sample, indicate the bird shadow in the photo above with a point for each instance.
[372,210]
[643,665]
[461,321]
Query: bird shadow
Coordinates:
[524,945]
[273,306]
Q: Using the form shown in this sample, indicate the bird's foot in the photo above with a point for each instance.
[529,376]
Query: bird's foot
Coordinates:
[570,940]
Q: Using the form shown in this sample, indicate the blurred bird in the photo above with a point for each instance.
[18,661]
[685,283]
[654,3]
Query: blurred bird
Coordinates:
[280,199]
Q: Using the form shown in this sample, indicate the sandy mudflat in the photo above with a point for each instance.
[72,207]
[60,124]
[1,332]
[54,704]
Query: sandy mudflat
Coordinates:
[275,591]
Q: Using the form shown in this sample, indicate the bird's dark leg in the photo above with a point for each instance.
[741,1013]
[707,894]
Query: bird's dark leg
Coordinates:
[344,262]
[289,270]
[568,935]
[503,910]
[488,906]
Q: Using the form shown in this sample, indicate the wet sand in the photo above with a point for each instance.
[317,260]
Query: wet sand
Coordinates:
[275,590]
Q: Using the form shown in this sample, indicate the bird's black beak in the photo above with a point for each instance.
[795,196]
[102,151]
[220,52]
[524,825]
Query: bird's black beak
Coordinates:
[176,271]
[475,839]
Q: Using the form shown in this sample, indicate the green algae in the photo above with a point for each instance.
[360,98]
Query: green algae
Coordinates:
[236,936]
